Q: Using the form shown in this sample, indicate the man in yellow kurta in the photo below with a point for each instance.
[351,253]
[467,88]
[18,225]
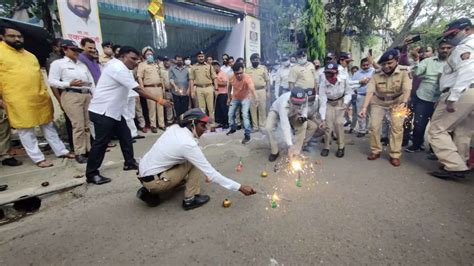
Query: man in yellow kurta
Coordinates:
[25,96]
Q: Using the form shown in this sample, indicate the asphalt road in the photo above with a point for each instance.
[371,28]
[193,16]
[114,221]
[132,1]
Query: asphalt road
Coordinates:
[348,211]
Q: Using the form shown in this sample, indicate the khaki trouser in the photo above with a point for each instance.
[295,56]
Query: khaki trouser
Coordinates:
[271,124]
[205,98]
[334,122]
[258,109]
[313,124]
[453,152]
[174,176]
[155,109]
[377,114]
[139,113]
[5,142]
[76,105]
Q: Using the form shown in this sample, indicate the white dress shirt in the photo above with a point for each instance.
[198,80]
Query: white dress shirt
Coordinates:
[63,71]
[176,146]
[281,79]
[458,72]
[110,96]
[333,92]
[282,107]
[344,74]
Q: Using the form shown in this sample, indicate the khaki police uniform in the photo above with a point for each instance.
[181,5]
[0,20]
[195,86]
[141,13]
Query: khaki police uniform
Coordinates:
[5,143]
[388,93]
[258,109]
[303,76]
[203,76]
[168,96]
[457,84]
[153,78]
[314,119]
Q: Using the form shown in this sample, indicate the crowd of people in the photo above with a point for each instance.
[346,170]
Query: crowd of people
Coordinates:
[124,91]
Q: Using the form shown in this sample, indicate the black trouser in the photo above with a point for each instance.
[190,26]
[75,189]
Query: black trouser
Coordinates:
[105,127]
[222,110]
[181,104]
[69,133]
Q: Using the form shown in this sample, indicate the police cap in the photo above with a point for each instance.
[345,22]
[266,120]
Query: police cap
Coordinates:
[456,25]
[389,55]
[254,56]
[331,67]
[70,45]
[298,96]
[301,53]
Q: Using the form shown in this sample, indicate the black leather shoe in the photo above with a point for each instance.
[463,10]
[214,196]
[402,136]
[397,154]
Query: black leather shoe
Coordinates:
[360,135]
[325,152]
[128,167]
[385,141]
[232,131]
[98,179]
[152,200]
[81,159]
[445,174]
[246,140]
[138,137]
[273,157]
[340,153]
[197,201]
[11,162]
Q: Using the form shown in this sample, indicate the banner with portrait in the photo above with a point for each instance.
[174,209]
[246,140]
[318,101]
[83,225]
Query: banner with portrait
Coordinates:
[80,19]
[252,37]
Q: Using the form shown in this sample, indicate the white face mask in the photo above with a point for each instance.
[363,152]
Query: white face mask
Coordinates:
[458,38]
[302,60]
[187,62]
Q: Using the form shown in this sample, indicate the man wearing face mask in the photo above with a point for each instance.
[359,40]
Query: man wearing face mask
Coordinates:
[176,159]
[281,78]
[151,78]
[302,74]
[289,110]
[388,90]
[261,80]
[335,96]
[454,113]
[179,79]
[203,77]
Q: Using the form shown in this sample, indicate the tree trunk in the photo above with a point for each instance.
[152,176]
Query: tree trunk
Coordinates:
[400,37]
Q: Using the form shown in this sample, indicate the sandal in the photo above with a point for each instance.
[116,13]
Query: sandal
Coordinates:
[44,164]
[68,155]
[111,145]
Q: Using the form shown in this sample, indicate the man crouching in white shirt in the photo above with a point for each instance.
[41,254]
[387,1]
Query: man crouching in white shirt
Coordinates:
[176,158]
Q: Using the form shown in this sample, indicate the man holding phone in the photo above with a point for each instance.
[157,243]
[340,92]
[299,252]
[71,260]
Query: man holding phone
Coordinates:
[74,79]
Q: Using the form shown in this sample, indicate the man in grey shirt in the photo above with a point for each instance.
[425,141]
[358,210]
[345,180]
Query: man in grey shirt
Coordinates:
[179,79]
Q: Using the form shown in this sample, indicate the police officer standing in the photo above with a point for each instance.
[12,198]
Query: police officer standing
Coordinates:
[455,110]
[73,77]
[202,79]
[261,80]
[302,74]
[281,77]
[388,90]
[151,78]
[335,96]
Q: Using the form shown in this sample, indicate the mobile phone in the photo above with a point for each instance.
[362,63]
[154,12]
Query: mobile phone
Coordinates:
[370,52]
[414,39]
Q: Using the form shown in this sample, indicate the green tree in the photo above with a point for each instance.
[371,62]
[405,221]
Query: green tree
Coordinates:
[315,29]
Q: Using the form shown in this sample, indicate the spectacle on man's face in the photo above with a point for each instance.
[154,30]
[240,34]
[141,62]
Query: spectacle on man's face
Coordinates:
[81,8]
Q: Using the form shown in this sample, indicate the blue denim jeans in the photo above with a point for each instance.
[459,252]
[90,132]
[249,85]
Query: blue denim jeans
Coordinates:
[245,107]
[423,111]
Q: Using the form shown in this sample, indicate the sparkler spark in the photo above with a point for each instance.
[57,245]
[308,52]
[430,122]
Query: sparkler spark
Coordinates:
[401,111]
[296,165]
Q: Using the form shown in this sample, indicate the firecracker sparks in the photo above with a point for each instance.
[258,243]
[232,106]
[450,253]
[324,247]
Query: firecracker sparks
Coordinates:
[401,111]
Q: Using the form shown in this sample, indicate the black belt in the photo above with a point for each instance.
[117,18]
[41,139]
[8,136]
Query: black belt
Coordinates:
[363,94]
[388,98]
[82,91]
[335,100]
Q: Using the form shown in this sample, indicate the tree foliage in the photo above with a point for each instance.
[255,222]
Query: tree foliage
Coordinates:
[315,29]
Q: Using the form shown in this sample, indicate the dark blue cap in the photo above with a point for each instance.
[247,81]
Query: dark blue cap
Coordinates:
[330,55]
[331,67]
[70,45]
[457,24]
[301,53]
[345,56]
[107,43]
[388,55]
[298,96]
[254,56]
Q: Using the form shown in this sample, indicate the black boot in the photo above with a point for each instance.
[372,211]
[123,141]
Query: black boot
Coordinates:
[196,201]
[152,200]
[340,153]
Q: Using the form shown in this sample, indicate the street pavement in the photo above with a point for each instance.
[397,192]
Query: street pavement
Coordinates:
[347,211]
